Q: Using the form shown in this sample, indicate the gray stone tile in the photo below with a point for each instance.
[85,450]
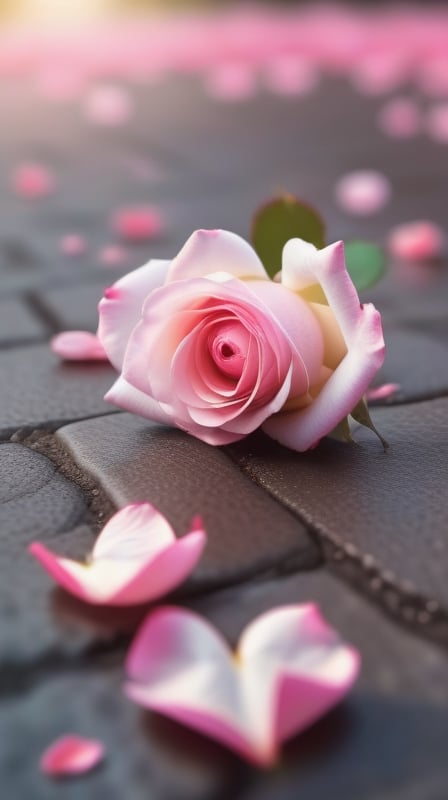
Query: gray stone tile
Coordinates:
[134,459]
[390,508]
[37,389]
[19,324]
[36,502]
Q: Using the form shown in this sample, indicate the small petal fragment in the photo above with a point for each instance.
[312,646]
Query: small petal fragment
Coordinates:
[78,346]
[32,181]
[363,192]
[71,755]
[290,668]
[138,223]
[136,558]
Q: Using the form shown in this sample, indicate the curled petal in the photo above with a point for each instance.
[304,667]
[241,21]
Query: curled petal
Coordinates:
[78,346]
[71,755]
[136,558]
[120,309]
[289,669]
[208,251]
[360,325]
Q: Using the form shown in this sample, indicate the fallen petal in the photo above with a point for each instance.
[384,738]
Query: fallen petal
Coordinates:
[363,192]
[109,106]
[137,558]
[71,755]
[400,118]
[78,346]
[73,244]
[382,392]
[416,241]
[289,669]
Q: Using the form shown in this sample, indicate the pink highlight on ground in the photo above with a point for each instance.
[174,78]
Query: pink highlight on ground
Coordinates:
[421,240]
[138,223]
[437,123]
[71,755]
[400,118]
[73,244]
[382,392]
[112,255]
[108,105]
[32,181]
[379,73]
[363,192]
[231,82]
[78,346]
[290,76]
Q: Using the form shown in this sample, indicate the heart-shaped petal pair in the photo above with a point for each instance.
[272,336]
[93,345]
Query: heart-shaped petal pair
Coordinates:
[136,558]
[289,669]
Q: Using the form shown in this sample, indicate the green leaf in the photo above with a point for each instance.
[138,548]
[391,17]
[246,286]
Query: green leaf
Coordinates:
[366,263]
[342,432]
[281,219]
[361,414]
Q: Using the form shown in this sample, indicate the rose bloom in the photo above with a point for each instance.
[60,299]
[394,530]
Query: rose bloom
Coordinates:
[207,342]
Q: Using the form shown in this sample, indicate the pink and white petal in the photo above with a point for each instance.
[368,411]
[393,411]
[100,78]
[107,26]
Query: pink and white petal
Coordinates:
[78,346]
[303,429]
[126,396]
[93,583]
[135,532]
[71,755]
[120,309]
[164,572]
[306,664]
[180,666]
[209,251]
[298,265]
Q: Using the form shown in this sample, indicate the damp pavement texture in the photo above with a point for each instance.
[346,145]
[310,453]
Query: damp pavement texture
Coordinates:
[361,532]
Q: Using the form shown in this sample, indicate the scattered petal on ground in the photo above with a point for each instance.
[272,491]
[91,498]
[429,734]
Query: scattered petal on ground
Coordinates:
[400,118]
[78,346]
[112,254]
[136,558]
[71,755]
[290,76]
[231,82]
[382,392]
[363,192]
[437,123]
[73,244]
[32,181]
[138,223]
[416,241]
[108,105]
[289,669]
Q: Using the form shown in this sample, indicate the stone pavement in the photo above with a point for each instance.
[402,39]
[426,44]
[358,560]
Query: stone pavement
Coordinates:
[360,532]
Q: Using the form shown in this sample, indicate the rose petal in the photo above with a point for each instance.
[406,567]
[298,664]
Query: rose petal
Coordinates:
[120,309]
[138,224]
[73,244]
[363,192]
[135,559]
[78,346]
[209,251]
[71,755]
[417,241]
[360,326]
[382,392]
[33,181]
[289,669]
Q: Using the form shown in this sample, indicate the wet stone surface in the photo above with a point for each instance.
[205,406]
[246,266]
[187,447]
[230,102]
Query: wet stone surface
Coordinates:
[384,505]
[248,532]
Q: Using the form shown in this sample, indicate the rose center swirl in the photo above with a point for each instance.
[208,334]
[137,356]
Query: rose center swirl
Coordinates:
[228,344]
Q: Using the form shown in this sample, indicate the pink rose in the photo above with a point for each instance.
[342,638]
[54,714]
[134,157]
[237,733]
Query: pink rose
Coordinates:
[207,342]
